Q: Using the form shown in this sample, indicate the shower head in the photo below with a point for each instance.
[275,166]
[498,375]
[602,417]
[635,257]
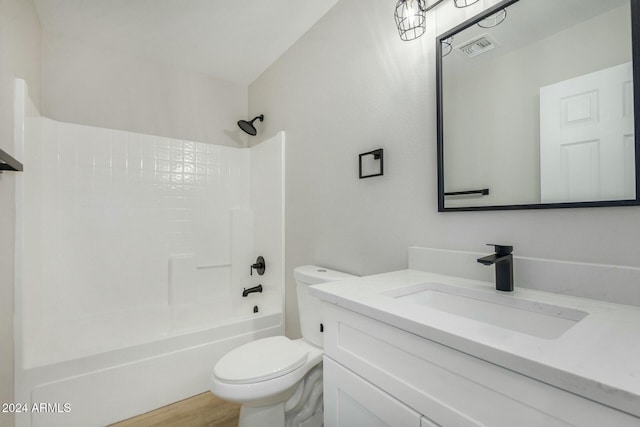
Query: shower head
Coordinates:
[248,127]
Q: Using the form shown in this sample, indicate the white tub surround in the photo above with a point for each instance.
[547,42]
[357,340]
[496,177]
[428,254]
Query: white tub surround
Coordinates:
[132,254]
[124,231]
[596,358]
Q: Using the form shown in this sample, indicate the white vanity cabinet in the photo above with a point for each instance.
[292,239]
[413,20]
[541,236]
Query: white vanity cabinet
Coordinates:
[379,375]
[351,401]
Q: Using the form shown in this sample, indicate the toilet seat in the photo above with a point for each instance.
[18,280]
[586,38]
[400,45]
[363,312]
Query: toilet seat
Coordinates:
[261,360]
[283,379]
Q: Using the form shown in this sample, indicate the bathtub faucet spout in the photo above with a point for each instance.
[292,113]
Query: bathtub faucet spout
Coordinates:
[246,292]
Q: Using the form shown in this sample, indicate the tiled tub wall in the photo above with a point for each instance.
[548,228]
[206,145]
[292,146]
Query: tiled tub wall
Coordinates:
[131,228]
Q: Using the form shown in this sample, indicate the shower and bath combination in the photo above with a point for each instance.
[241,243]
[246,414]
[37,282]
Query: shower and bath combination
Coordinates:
[248,126]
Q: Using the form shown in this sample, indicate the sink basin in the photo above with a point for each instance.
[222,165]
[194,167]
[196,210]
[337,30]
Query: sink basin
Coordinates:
[537,319]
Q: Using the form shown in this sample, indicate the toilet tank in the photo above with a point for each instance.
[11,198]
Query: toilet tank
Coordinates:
[309,307]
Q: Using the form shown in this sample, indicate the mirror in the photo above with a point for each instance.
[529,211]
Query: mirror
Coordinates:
[536,106]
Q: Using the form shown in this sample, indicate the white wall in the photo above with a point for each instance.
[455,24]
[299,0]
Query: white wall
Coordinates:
[20,35]
[97,86]
[351,85]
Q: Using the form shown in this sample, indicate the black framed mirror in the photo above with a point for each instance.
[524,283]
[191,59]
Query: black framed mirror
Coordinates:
[535,106]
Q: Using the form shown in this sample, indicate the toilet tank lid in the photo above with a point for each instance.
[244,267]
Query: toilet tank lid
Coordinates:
[313,274]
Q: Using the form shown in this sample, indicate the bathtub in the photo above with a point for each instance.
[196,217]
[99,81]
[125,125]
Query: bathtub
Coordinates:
[104,386]
[131,257]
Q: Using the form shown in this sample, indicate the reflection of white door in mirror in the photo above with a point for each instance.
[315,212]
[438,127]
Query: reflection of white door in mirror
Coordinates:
[587,139]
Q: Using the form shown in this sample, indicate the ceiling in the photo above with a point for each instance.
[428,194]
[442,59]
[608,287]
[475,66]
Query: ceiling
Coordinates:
[231,40]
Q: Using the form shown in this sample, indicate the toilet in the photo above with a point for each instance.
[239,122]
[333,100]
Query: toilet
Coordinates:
[278,381]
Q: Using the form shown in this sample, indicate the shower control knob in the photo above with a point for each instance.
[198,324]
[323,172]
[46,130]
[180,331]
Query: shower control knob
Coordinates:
[259,266]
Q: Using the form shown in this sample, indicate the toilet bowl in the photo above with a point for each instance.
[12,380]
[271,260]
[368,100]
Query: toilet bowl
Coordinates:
[278,381]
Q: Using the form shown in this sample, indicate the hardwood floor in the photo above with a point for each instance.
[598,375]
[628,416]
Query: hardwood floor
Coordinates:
[203,410]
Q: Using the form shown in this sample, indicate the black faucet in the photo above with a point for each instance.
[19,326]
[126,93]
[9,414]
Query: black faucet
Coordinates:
[246,292]
[504,266]
[259,266]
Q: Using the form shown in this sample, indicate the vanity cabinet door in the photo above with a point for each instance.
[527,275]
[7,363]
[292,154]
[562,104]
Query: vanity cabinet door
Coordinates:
[351,401]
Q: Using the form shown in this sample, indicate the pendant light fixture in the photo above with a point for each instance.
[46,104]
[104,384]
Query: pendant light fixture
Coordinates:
[411,18]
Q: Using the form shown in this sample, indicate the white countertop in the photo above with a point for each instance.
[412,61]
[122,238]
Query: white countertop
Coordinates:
[598,358]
